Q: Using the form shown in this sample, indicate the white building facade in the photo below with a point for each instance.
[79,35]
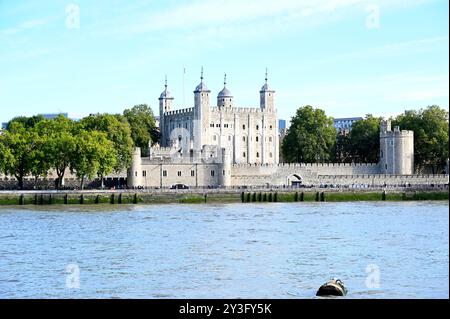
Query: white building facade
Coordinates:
[249,133]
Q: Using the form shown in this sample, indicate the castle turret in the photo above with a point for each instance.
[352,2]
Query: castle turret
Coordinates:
[266,97]
[396,150]
[225,175]
[135,171]
[165,105]
[201,115]
[225,98]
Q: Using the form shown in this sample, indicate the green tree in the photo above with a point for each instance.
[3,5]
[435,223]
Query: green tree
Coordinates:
[118,131]
[60,144]
[430,126]
[364,140]
[311,137]
[93,155]
[6,157]
[143,127]
[27,122]
[19,146]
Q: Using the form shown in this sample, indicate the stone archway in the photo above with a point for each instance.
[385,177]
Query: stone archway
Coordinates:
[294,180]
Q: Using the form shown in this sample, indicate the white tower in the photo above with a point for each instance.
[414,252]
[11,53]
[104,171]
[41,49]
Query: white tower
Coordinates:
[201,115]
[225,98]
[165,105]
[266,98]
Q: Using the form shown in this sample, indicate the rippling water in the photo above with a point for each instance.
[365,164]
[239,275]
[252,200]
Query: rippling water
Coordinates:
[270,250]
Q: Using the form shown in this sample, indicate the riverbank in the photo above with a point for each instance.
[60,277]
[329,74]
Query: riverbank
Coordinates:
[214,196]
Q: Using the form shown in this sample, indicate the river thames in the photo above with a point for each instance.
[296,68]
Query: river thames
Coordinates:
[269,250]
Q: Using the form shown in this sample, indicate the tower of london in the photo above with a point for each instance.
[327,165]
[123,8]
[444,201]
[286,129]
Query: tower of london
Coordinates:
[249,133]
[225,145]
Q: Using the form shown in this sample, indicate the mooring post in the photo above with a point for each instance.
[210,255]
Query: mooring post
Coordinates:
[120,198]
[112,198]
[21,199]
[66,199]
[135,198]
[81,199]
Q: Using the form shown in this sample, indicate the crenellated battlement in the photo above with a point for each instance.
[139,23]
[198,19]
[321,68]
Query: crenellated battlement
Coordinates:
[238,110]
[179,111]
[309,165]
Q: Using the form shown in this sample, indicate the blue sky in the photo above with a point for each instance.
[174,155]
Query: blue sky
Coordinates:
[349,57]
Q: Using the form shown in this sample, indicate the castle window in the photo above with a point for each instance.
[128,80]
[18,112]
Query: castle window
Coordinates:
[223,172]
[270,126]
[192,173]
[381,154]
[243,127]
[270,138]
[212,173]
[257,127]
[217,125]
[229,138]
[215,137]
[243,138]
[392,143]
[270,154]
[185,125]
[257,138]
[223,100]
[165,173]
[257,154]
[144,173]
[135,173]
[211,125]
[179,173]
[243,154]
[179,125]
[385,166]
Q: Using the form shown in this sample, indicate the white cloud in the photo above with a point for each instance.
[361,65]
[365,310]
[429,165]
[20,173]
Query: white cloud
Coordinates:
[30,24]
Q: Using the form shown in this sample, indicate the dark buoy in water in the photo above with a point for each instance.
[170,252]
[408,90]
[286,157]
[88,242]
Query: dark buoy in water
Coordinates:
[334,287]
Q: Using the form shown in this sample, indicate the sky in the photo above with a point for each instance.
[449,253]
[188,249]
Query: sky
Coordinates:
[348,57]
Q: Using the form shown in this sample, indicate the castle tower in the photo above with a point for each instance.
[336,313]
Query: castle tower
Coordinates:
[165,105]
[266,97]
[396,150]
[225,98]
[135,171]
[201,115]
[225,175]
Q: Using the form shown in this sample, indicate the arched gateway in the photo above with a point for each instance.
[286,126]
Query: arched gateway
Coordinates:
[294,180]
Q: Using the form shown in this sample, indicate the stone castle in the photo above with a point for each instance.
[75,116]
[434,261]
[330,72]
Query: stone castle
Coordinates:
[229,146]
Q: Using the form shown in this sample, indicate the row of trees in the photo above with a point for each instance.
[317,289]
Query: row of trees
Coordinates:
[312,138]
[94,146]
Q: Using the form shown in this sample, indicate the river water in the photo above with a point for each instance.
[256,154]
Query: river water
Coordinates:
[267,250]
